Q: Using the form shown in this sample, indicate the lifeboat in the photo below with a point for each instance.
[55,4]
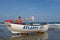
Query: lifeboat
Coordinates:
[17,28]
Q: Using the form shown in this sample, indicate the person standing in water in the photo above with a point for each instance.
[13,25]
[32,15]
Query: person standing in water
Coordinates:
[19,20]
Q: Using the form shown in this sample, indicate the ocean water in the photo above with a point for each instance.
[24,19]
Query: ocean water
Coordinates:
[53,33]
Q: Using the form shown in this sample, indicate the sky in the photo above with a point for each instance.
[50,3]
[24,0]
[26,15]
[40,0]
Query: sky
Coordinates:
[42,10]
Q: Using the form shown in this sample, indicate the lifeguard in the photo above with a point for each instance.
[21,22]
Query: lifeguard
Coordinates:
[19,20]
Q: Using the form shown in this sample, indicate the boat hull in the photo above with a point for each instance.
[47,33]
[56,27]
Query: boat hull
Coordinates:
[16,28]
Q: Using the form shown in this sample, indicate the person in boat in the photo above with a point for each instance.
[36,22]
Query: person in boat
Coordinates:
[19,20]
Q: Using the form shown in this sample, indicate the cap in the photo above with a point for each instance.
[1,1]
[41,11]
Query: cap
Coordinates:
[19,17]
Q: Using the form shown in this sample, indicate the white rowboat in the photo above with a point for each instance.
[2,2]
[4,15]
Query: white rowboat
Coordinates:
[17,28]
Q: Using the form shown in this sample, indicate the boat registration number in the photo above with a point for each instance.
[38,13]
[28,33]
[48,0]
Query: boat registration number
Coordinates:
[33,27]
